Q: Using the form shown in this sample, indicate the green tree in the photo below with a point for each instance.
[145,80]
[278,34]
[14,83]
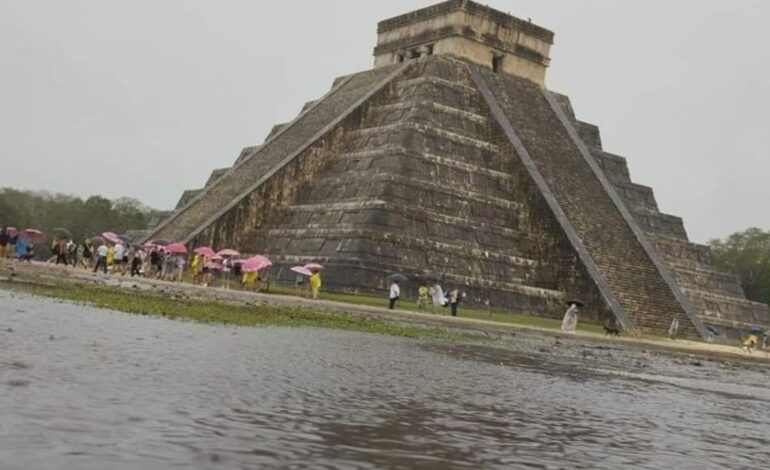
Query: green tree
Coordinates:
[83,218]
[747,254]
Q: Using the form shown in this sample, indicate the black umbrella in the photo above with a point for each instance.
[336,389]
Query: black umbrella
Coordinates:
[397,277]
[576,303]
[159,242]
[61,232]
[431,276]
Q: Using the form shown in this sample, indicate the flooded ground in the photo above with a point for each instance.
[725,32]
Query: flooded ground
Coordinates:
[87,389]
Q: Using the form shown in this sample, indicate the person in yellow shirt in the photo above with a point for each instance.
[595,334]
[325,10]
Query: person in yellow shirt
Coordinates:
[422,297]
[195,265]
[250,281]
[110,256]
[315,284]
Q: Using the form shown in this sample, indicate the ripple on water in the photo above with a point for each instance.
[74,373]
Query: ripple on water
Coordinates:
[121,391]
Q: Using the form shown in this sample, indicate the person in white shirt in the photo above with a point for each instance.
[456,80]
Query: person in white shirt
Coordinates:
[101,258]
[117,259]
[395,294]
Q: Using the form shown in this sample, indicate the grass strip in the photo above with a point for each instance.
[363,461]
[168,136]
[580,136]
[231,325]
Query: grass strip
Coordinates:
[212,312]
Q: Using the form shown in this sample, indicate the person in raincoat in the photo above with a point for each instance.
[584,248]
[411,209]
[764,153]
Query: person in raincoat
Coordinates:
[315,284]
[250,281]
[569,324]
[422,297]
[439,298]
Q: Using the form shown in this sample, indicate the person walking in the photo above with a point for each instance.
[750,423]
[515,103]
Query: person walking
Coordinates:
[315,284]
[439,299]
[5,239]
[569,324]
[118,263]
[61,250]
[101,258]
[136,264]
[395,294]
[455,297]
[422,297]
[87,254]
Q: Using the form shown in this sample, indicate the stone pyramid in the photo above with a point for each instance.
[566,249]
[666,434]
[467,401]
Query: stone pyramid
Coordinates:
[451,159]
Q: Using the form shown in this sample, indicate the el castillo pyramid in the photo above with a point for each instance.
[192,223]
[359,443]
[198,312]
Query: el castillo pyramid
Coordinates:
[452,158]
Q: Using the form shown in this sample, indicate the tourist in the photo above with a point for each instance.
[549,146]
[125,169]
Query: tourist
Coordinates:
[250,281]
[110,256]
[315,284]
[395,294]
[136,263]
[156,263]
[61,252]
[86,254]
[118,262]
[101,258]
[439,299]
[195,266]
[180,263]
[673,330]
[72,250]
[422,297]
[455,297]
[299,282]
[5,239]
[569,324]
[11,248]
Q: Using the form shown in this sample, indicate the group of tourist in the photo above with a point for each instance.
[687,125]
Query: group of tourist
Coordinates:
[434,295]
[119,257]
[14,244]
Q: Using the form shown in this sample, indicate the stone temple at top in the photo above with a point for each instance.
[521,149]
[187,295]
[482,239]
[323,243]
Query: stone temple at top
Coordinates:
[450,159]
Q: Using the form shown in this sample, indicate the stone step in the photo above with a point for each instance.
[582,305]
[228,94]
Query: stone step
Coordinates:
[615,167]
[636,196]
[429,129]
[658,223]
[730,309]
[318,241]
[409,189]
[430,140]
[428,113]
[708,280]
[442,91]
[682,253]
[481,225]
[456,162]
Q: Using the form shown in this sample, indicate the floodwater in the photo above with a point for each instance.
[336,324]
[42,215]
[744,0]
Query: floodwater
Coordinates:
[87,389]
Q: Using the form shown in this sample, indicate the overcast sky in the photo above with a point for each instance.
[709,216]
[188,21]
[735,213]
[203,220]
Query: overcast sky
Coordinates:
[144,98]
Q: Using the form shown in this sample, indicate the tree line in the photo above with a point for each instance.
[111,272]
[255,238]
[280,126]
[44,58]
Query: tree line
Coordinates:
[747,254]
[82,217]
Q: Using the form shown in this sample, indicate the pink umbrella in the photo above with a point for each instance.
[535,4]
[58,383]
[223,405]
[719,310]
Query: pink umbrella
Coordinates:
[204,251]
[176,249]
[314,266]
[228,253]
[255,264]
[33,235]
[12,231]
[302,270]
[111,237]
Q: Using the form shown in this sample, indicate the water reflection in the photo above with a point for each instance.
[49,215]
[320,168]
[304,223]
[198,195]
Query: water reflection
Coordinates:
[109,390]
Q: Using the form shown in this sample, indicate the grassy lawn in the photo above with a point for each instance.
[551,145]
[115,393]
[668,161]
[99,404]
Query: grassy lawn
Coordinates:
[494,315]
[146,303]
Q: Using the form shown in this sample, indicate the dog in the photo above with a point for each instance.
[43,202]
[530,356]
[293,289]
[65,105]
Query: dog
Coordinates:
[612,332]
[750,345]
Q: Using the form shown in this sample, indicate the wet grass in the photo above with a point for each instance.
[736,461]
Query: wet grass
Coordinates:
[493,315]
[203,311]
